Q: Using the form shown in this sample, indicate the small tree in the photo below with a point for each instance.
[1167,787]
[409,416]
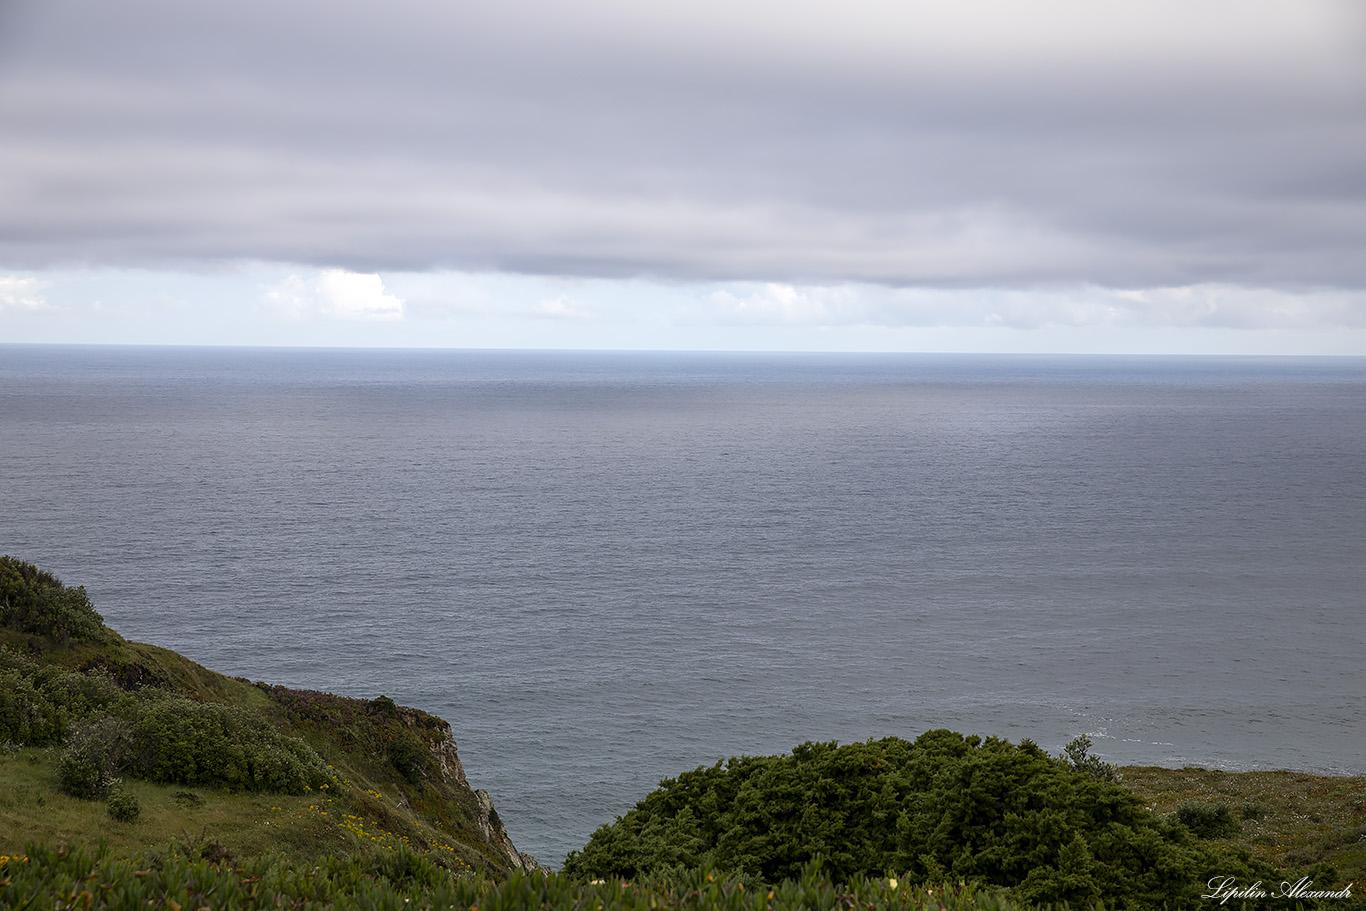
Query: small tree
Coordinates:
[1077,754]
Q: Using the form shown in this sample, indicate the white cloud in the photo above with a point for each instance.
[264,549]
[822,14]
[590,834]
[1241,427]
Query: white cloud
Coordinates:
[788,304]
[22,293]
[336,293]
[1212,305]
[562,308]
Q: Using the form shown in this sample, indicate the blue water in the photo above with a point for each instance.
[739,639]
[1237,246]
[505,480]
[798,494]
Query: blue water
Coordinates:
[604,569]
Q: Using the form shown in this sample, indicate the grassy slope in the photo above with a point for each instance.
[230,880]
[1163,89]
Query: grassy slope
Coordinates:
[1291,820]
[369,801]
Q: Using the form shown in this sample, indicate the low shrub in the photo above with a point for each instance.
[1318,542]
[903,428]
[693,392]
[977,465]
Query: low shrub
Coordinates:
[83,773]
[410,756]
[39,702]
[123,806]
[51,878]
[1206,820]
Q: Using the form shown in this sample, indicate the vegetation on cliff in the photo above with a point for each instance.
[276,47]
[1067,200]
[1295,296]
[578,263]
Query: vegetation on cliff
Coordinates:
[102,737]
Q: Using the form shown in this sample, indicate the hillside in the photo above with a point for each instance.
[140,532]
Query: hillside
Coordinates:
[103,738]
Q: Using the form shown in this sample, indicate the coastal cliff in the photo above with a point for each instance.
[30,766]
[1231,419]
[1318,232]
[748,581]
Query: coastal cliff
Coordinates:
[104,738]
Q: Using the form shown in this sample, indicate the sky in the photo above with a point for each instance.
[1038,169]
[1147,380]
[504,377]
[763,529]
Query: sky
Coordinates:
[984,175]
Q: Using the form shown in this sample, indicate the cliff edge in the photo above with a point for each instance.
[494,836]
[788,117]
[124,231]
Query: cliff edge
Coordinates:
[104,738]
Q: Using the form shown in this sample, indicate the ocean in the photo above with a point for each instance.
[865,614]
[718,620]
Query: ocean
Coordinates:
[608,568]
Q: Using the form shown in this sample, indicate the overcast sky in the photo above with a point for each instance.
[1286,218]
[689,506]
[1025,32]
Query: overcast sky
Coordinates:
[1055,175]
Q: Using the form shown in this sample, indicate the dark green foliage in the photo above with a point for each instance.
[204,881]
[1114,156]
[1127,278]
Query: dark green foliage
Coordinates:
[1207,821]
[410,756]
[123,807]
[84,773]
[384,706]
[36,602]
[944,808]
[1077,754]
[27,716]
[148,734]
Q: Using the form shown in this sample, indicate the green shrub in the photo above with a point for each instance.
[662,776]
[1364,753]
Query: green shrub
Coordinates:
[94,756]
[27,715]
[410,756]
[34,601]
[53,878]
[1077,754]
[123,807]
[84,772]
[40,702]
[1207,821]
[179,741]
[946,808]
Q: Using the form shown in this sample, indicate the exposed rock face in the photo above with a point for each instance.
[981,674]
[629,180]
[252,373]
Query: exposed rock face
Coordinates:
[497,834]
[448,761]
[489,824]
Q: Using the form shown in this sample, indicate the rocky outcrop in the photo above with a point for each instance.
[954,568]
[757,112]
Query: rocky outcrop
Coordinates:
[490,826]
[497,834]
[448,760]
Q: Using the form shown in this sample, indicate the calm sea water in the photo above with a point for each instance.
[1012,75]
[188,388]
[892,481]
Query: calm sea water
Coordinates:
[605,569]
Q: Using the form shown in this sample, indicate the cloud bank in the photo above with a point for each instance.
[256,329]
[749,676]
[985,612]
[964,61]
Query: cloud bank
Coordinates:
[1200,164]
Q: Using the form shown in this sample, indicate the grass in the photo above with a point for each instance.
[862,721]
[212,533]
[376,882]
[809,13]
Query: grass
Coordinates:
[33,809]
[375,881]
[1291,820]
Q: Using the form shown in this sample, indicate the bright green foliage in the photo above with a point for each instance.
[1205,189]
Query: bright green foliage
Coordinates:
[34,601]
[180,741]
[944,808]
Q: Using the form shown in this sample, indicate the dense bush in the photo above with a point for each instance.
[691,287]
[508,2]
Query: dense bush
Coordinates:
[1207,821]
[177,740]
[148,734]
[944,808]
[40,702]
[375,729]
[34,601]
[95,755]
[110,731]
[123,807]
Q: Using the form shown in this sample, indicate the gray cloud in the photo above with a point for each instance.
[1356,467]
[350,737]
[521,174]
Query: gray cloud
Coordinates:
[985,144]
